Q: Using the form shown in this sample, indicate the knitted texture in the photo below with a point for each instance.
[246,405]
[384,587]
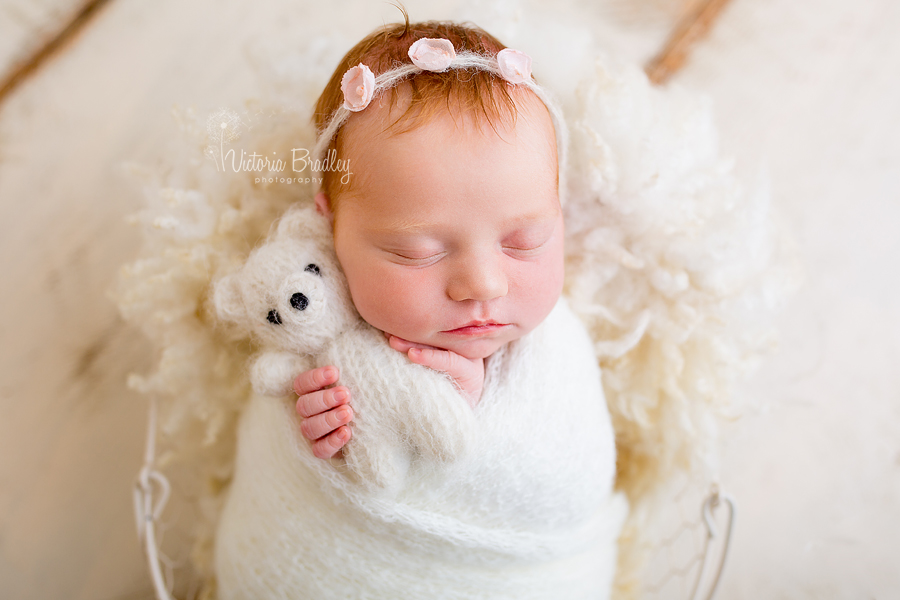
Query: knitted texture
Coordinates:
[528,513]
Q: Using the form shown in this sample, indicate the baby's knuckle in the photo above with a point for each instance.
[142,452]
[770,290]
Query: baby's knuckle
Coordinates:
[319,451]
[324,401]
[303,383]
[315,426]
[317,403]
[305,406]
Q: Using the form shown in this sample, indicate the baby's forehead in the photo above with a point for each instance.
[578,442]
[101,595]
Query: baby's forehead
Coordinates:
[435,168]
[393,116]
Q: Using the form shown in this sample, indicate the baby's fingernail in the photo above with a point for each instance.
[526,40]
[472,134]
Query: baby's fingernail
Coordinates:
[327,373]
[340,395]
[415,352]
[343,414]
[343,434]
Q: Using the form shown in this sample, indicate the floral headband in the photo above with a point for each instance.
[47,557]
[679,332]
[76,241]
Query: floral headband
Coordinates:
[359,85]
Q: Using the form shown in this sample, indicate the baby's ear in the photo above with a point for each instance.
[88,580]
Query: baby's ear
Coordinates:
[228,300]
[323,206]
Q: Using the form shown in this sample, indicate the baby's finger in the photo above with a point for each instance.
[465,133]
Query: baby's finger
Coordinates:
[403,345]
[439,360]
[319,426]
[320,401]
[332,444]
[315,379]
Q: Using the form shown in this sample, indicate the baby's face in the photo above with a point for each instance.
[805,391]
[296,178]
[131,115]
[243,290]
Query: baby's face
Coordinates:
[450,235]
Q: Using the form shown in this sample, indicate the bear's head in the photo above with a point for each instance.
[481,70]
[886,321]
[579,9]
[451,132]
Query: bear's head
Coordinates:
[291,294]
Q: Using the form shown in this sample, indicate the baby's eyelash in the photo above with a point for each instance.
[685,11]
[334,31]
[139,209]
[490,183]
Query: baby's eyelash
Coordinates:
[526,250]
[418,260]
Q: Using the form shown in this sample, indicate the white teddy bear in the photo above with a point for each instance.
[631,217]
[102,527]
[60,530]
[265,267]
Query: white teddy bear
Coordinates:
[291,296]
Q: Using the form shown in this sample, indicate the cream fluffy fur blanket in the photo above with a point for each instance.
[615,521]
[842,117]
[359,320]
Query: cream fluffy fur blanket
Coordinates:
[673,264]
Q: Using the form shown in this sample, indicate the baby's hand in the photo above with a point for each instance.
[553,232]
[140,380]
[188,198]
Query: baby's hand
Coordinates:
[466,373]
[325,412]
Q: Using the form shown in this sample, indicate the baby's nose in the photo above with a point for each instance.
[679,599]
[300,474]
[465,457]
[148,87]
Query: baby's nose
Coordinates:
[478,278]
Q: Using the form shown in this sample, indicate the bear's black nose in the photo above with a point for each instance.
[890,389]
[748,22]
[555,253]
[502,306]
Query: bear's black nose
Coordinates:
[299,301]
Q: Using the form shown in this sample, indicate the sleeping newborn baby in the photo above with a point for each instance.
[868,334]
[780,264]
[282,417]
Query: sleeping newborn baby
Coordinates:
[498,484]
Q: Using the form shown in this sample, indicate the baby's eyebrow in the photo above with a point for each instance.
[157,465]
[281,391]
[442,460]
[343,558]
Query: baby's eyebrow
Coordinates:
[403,227]
[407,223]
[413,227]
[534,217]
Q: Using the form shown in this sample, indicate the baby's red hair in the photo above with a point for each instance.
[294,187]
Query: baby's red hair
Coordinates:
[476,94]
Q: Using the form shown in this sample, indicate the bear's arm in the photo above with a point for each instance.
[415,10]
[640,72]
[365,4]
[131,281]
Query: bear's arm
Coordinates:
[273,373]
[395,399]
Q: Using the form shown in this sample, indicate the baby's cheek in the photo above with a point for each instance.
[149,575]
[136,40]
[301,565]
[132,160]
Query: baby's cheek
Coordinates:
[540,304]
[540,289]
[390,299]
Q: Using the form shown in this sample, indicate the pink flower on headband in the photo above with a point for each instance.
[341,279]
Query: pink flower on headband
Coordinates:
[432,54]
[358,86]
[515,66]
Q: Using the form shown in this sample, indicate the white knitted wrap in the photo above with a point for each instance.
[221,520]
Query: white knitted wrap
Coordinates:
[528,513]
[511,500]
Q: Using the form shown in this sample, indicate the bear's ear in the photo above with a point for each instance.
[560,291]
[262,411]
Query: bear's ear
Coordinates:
[302,222]
[228,300]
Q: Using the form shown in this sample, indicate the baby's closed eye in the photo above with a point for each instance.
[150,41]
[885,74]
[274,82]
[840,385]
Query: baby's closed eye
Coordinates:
[526,243]
[416,257]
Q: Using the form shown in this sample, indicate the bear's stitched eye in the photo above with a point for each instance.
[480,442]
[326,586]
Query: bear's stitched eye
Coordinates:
[273,317]
[299,301]
[311,268]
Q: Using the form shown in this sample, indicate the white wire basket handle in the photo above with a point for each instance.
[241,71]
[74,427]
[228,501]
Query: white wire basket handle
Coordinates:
[708,577]
[151,483]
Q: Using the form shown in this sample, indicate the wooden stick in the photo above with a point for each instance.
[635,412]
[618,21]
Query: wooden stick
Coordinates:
[689,29]
[33,62]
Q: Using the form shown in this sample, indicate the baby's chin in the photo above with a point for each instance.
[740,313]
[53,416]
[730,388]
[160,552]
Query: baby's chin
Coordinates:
[478,349]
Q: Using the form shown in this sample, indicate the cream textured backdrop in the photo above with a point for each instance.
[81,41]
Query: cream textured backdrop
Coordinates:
[805,91]
[26,25]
